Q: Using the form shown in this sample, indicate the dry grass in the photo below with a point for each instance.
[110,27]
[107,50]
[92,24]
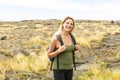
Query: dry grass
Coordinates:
[85,33]
[98,71]
[31,63]
[94,33]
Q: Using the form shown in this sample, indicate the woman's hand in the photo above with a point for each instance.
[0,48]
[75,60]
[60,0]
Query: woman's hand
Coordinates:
[77,47]
[61,48]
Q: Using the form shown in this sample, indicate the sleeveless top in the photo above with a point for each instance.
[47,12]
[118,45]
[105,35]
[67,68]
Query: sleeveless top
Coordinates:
[65,59]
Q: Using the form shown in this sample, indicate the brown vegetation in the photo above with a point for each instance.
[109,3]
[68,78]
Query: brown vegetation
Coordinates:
[23,46]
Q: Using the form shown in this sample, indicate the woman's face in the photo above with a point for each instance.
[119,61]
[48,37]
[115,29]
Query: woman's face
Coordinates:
[68,25]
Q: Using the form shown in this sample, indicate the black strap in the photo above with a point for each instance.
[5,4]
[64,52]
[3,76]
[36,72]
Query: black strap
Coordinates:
[73,39]
[61,43]
[74,42]
[60,39]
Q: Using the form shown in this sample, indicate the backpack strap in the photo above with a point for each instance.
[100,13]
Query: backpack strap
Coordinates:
[74,42]
[61,43]
[60,39]
[73,39]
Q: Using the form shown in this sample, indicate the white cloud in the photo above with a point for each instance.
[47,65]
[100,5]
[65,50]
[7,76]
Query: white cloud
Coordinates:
[34,3]
[63,7]
[60,4]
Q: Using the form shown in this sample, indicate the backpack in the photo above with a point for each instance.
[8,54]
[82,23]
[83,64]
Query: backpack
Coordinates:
[61,43]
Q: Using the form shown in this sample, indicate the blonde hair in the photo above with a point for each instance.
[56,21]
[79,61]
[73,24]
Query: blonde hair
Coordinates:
[66,18]
[56,33]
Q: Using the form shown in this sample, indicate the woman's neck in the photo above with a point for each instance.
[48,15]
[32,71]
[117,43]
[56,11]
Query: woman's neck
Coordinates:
[65,33]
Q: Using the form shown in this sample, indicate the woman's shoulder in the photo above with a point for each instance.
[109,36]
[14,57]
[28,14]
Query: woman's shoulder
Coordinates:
[54,38]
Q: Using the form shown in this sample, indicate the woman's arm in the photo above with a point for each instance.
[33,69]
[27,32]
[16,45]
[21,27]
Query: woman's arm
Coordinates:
[54,43]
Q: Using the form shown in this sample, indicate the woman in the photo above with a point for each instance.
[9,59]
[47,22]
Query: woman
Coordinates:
[65,71]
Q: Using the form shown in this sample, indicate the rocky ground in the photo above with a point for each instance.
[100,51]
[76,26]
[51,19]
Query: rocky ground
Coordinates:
[110,50]
[11,42]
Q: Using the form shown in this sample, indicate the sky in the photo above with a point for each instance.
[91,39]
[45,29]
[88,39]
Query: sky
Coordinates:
[17,10]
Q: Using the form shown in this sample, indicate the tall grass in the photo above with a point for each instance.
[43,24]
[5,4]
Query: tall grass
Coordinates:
[94,33]
[99,71]
[30,63]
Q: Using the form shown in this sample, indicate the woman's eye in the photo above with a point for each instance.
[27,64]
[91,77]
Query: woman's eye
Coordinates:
[71,24]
